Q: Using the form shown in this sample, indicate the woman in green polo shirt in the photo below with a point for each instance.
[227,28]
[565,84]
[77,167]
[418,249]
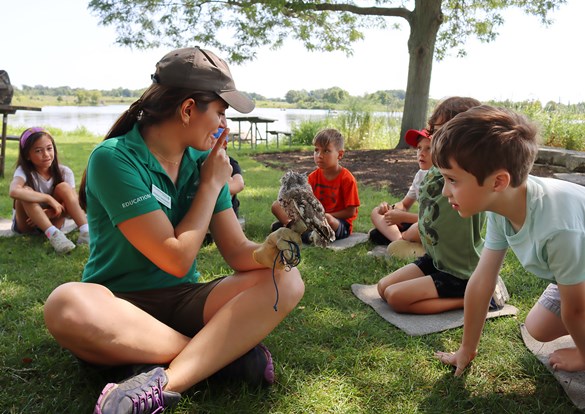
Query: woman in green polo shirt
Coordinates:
[152,189]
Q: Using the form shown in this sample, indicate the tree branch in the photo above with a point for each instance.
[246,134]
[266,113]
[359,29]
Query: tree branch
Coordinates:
[350,8]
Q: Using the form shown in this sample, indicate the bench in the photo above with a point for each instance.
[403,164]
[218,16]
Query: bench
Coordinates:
[6,110]
[279,133]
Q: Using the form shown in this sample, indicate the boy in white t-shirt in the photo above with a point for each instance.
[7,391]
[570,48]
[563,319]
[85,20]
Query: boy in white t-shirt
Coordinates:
[394,222]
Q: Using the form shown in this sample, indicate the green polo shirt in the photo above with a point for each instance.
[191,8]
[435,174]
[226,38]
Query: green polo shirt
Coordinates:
[124,181]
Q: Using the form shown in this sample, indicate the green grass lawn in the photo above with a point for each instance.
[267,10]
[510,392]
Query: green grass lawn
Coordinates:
[333,354]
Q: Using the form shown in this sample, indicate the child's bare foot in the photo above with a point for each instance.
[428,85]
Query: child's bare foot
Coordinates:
[567,359]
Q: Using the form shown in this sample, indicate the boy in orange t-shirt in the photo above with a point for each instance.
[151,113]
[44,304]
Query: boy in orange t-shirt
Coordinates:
[333,185]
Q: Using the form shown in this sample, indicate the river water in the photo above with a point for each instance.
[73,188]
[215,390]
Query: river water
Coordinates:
[99,119]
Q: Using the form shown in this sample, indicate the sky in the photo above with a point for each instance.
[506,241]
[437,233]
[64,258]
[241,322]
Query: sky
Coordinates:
[60,43]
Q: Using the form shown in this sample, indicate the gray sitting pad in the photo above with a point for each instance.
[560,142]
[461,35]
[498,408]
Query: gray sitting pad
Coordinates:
[418,324]
[379,251]
[572,382]
[353,240]
[6,227]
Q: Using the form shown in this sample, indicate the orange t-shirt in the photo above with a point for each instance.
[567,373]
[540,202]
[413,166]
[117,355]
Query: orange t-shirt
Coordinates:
[337,194]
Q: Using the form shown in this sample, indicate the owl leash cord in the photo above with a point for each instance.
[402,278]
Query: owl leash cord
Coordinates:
[290,257]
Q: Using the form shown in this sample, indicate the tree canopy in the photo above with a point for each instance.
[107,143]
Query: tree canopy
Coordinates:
[436,28]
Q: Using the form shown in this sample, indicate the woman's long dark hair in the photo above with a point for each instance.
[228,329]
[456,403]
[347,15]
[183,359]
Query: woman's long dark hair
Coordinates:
[26,164]
[157,104]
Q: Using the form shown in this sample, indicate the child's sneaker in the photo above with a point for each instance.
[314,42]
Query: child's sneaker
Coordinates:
[142,393]
[376,237]
[83,238]
[500,296]
[404,249]
[61,243]
[255,367]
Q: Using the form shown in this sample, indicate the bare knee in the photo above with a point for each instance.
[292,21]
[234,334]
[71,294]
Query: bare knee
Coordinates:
[384,283]
[535,329]
[63,191]
[543,325]
[66,309]
[374,214]
[381,286]
[394,298]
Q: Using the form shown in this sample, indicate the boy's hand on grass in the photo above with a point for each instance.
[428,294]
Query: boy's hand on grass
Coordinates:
[567,359]
[276,242]
[460,359]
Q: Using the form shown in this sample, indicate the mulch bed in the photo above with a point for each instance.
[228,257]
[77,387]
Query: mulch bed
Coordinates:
[391,169]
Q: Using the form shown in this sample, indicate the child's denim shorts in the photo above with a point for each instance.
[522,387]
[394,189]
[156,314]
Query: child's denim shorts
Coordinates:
[551,299]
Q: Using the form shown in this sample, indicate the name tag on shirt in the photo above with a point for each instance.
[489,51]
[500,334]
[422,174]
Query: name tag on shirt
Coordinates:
[161,196]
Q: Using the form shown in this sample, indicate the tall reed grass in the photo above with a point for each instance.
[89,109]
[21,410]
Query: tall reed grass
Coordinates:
[365,129]
[360,125]
[559,126]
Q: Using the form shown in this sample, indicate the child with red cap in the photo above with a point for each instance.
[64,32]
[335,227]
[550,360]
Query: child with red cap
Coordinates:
[394,222]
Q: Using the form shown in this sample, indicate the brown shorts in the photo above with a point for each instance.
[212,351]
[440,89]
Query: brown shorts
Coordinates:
[180,307]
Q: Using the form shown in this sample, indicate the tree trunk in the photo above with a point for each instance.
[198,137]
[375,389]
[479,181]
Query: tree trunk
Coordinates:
[424,22]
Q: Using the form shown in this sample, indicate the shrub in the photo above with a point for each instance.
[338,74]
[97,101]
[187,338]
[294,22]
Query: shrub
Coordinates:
[303,133]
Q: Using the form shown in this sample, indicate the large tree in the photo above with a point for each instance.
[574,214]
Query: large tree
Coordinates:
[436,26]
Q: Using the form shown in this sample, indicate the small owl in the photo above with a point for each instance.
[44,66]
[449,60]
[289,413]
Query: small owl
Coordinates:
[297,198]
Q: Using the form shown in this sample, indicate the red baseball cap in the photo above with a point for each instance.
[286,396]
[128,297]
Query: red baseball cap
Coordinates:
[412,136]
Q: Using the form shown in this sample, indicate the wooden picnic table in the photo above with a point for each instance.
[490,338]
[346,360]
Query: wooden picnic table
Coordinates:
[6,110]
[253,134]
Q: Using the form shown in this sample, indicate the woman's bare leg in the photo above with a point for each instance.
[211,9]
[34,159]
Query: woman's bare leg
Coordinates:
[239,314]
[100,328]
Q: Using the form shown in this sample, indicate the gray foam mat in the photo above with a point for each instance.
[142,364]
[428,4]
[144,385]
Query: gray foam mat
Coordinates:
[417,325]
[353,240]
[572,382]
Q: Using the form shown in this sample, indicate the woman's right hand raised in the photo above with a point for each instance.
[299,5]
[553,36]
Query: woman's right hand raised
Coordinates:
[216,169]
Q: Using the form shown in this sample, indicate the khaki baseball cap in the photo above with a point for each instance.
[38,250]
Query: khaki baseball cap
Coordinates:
[199,69]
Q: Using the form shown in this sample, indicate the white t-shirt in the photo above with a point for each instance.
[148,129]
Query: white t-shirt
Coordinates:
[46,186]
[415,186]
[551,243]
